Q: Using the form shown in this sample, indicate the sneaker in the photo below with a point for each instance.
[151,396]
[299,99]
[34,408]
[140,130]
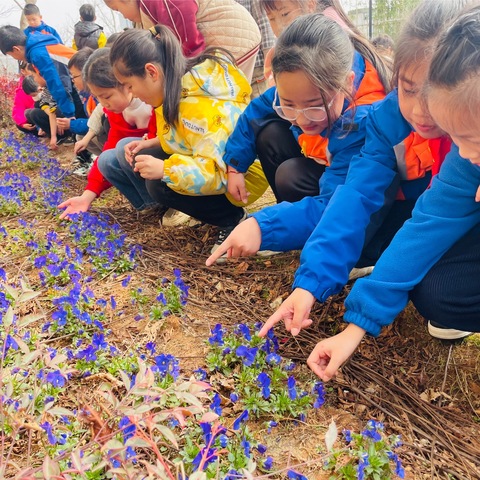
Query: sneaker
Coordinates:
[360,272]
[68,140]
[82,170]
[444,333]
[175,218]
[223,233]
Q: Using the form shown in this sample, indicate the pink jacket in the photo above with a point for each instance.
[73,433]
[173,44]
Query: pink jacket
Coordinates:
[180,17]
[21,102]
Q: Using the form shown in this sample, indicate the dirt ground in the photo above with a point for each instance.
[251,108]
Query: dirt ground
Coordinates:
[426,390]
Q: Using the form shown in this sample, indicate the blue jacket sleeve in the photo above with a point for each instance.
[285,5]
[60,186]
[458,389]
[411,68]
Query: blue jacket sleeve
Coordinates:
[372,182]
[288,226]
[53,32]
[442,215]
[241,150]
[79,126]
[41,59]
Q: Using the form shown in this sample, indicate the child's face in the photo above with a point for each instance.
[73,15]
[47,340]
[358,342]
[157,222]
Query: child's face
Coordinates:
[149,89]
[18,53]
[128,8]
[34,20]
[295,90]
[454,119]
[412,102]
[286,12]
[77,80]
[114,99]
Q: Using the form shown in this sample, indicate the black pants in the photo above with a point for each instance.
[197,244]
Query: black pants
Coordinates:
[290,175]
[450,292]
[38,117]
[212,209]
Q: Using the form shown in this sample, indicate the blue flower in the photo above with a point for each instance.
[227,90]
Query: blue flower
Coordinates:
[271,425]
[292,391]
[98,341]
[273,359]
[126,281]
[200,373]
[56,378]
[215,405]
[261,448]
[128,428]
[244,331]
[348,435]
[268,463]
[264,381]
[246,447]
[151,347]
[295,475]
[216,337]
[319,392]
[242,418]
[167,364]
[52,439]
[3,275]
[234,397]
[248,354]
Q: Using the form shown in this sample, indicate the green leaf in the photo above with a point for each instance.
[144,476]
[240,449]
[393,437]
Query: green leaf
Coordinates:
[29,295]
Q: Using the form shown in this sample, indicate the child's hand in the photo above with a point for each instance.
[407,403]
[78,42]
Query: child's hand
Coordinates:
[244,241]
[148,167]
[477,195]
[329,355]
[75,205]
[63,123]
[295,311]
[53,143]
[28,126]
[236,186]
[80,146]
[130,150]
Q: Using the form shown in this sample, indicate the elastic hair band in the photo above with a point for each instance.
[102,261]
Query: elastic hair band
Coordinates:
[154,33]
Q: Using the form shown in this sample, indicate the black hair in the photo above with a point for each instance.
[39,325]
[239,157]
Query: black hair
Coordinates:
[87,12]
[98,70]
[10,37]
[79,59]
[383,41]
[111,39]
[29,85]
[135,48]
[324,51]
[457,55]
[417,38]
[31,9]
[30,68]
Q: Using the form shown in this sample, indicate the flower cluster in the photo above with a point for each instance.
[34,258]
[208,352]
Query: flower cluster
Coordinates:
[368,455]
[264,383]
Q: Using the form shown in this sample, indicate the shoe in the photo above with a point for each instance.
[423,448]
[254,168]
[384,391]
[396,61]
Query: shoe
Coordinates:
[82,170]
[444,333]
[68,140]
[223,233]
[175,218]
[360,272]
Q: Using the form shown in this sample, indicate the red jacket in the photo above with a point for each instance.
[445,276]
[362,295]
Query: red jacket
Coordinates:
[181,17]
[119,129]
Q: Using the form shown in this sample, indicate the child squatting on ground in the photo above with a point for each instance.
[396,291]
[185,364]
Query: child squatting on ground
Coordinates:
[127,116]
[434,259]
[197,103]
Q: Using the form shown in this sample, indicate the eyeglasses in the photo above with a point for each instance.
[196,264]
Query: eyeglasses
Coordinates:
[314,114]
[73,77]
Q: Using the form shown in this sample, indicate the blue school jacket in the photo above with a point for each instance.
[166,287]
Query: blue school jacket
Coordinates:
[43,28]
[390,166]
[441,217]
[50,58]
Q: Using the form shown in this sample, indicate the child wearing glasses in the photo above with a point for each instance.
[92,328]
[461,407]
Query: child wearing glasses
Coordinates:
[321,100]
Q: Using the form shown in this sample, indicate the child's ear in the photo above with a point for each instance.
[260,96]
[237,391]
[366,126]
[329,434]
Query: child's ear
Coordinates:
[349,82]
[153,71]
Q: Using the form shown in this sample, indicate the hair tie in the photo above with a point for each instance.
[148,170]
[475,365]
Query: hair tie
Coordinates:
[154,33]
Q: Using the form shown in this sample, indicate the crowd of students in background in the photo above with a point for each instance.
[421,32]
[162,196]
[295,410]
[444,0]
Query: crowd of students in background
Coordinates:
[202,105]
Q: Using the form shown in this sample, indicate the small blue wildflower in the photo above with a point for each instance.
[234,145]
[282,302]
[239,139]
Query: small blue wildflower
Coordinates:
[292,391]
[200,374]
[246,447]
[347,435]
[268,463]
[56,378]
[216,337]
[52,439]
[271,425]
[263,381]
[248,354]
[273,359]
[126,281]
[261,448]
[234,397]
[319,392]
[128,428]
[151,347]
[295,475]
[244,331]
[242,418]
[215,405]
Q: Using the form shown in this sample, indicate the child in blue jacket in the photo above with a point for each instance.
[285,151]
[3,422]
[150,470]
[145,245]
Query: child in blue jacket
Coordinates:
[434,260]
[35,22]
[50,58]
[304,152]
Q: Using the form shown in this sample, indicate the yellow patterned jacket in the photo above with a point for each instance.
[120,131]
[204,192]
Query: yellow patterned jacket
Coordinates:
[213,97]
